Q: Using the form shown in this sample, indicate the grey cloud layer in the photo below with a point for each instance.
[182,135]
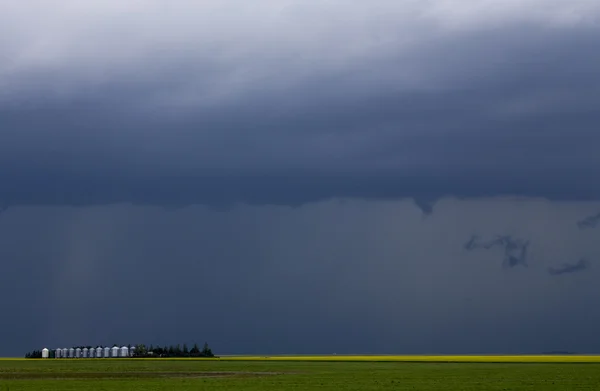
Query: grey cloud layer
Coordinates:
[229,103]
[254,107]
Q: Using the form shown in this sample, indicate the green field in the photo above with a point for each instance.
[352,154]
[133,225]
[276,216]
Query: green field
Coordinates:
[307,373]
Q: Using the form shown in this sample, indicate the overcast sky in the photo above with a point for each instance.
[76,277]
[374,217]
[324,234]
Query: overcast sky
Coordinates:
[301,176]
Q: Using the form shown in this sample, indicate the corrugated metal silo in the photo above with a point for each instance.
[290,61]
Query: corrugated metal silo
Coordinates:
[92,353]
[77,352]
[132,351]
[84,352]
[71,353]
[106,352]
[98,352]
[124,351]
[64,353]
[115,351]
[45,353]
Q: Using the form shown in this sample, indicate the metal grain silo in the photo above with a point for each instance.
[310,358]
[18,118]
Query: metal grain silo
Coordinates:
[132,351]
[45,353]
[57,353]
[85,352]
[124,351]
[98,352]
[71,353]
[115,351]
[106,352]
[64,353]
[77,352]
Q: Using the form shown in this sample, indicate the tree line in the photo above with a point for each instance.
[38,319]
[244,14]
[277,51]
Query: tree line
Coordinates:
[34,354]
[173,351]
[149,351]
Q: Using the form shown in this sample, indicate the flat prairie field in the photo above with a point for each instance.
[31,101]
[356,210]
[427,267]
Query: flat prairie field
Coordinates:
[336,372]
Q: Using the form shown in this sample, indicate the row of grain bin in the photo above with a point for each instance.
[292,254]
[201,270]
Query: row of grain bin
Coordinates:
[98,352]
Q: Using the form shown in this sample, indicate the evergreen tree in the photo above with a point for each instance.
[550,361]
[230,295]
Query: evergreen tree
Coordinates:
[206,351]
[34,354]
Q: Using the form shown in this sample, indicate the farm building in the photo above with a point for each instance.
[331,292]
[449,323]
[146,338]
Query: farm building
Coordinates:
[98,352]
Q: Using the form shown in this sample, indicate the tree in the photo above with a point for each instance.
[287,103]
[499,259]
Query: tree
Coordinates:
[140,350]
[34,354]
[206,351]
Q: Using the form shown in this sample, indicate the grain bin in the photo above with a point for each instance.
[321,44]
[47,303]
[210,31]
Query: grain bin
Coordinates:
[106,352]
[57,353]
[45,353]
[115,351]
[64,353]
[98,352]
[77,352]
[71,353]
[124,351]
[84,352]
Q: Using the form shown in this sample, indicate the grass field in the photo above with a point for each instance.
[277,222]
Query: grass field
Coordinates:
[307,373]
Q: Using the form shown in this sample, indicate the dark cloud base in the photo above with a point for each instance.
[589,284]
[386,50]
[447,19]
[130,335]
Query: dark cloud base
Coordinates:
[294,190]
[502,113]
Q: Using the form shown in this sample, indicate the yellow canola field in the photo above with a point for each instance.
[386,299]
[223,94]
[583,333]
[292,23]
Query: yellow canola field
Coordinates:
[375,358]
[438,358]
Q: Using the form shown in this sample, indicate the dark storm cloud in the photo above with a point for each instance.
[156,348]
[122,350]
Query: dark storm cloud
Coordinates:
[568,268]
[228,103]
[514,249]
[589,222]
[276,279]
[460,109]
